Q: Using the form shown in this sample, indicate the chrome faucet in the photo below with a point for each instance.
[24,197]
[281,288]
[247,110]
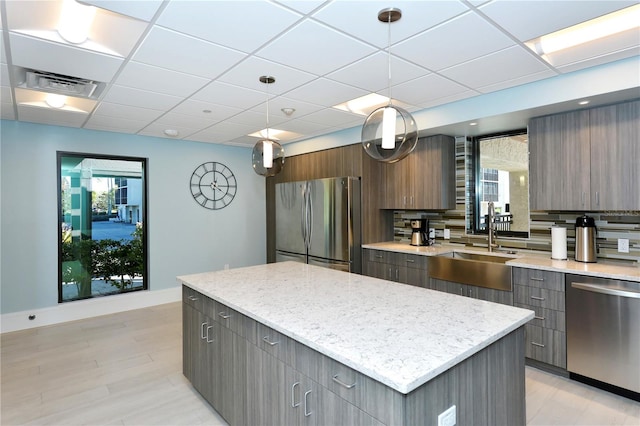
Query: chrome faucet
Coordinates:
[491,227]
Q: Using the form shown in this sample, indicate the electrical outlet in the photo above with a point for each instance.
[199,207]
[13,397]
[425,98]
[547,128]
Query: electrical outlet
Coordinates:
[623,245]
[447,417]
[432,233]
[447,234]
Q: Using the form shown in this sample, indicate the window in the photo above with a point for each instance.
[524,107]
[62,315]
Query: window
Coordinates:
[102,225]
[500,174]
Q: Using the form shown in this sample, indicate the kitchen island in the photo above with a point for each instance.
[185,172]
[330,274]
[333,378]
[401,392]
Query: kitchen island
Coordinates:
[289,343]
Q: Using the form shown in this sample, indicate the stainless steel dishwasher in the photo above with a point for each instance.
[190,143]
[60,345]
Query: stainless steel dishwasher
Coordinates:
[603,330]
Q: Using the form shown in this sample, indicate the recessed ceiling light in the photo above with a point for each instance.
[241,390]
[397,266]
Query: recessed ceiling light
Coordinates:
[473,123]
[171,132]
[583,102]
[206,111]
[75,21]
[55,101]
[288,111]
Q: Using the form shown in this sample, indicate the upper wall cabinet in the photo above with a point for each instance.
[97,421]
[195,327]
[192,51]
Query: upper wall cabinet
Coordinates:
[586,160]
[424,180]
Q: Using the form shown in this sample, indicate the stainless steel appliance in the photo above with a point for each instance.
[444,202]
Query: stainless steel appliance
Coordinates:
[419,235]
[586,239]
[603,329]
[318,222]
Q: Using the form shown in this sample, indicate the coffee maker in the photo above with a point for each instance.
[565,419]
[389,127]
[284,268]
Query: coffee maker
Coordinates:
[419,232]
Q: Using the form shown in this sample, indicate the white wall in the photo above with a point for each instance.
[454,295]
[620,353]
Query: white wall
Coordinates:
[184,237]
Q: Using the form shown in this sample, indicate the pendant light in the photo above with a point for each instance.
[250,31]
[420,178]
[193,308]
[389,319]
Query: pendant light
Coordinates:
[268,154]
[389,133]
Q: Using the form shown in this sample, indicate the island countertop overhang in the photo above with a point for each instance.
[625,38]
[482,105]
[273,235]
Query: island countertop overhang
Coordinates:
[400,335]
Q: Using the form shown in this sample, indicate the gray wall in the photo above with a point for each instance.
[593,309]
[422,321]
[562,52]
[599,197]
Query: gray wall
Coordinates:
[184,237]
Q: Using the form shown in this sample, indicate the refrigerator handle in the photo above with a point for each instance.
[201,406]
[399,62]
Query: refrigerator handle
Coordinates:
[303,215]
[309,218]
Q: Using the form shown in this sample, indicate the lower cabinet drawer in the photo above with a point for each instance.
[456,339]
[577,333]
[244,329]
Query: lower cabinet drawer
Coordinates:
[546,345]
[539,297]
[546,318]
[274,343]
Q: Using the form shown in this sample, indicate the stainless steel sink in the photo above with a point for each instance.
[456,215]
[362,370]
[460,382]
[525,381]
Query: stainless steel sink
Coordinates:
[479,269]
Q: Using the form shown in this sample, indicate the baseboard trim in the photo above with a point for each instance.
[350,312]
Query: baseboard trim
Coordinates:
[81,309]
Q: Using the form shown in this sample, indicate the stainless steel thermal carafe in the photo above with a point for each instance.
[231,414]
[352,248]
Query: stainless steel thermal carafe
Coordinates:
[586,239]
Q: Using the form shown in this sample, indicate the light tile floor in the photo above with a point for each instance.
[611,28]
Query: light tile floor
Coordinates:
[126,369]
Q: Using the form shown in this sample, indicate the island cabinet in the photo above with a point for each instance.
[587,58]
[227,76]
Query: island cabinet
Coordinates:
[425,179]
[404,268]
[543,293]
[584,160]
[292,344]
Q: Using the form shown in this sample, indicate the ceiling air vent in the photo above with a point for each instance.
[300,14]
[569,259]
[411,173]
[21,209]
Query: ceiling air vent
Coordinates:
[61,84]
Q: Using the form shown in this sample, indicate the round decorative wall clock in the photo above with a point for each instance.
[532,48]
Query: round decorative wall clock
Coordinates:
[213,185]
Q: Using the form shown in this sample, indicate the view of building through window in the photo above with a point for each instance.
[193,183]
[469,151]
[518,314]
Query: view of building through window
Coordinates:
[102,234]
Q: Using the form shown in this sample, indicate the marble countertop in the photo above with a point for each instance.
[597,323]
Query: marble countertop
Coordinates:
[400,335]
[525,260]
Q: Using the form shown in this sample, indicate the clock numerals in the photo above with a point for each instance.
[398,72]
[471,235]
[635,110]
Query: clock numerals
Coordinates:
[213,185]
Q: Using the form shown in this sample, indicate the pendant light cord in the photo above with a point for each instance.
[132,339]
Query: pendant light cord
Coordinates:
[389,55]
[267,83]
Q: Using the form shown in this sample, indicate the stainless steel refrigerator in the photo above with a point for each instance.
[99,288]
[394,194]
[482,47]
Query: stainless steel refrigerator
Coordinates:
[318,222]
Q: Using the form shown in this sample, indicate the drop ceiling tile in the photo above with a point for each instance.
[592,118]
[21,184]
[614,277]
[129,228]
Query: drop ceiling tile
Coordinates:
[444,100]
[123,125]
[227,23]
[598,60]
[247,74]
[43,55]
[326,92]
[253,119]
[303,127]
[157,130]
[143,10]
[426,89]
[140,98]
[302,6]
[174,51]
[119,111]
[229,95]
[174,120]
[416,17]
[334,117]
[315,48]
[529,78]
[508,64]
[196,108]
[372,72]
[276,114]
[160,80]
[467,37]
[222,132]
[530,19]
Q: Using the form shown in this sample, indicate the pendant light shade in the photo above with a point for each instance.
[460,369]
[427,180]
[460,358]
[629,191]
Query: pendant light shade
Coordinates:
[267,157]
[389,133]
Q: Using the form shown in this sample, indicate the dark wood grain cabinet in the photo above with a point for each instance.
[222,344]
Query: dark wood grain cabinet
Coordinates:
[404,268]
[475,292]
[543,293]
[425,179]
[586,160]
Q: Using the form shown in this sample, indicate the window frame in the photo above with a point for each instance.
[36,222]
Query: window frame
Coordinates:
[144,215]
[478,190]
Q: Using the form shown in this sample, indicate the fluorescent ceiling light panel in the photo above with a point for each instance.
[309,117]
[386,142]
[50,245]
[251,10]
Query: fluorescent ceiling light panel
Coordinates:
[364,105]
[275,134]
[603,26]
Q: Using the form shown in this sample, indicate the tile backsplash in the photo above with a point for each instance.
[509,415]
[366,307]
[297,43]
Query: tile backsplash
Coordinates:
[611,226]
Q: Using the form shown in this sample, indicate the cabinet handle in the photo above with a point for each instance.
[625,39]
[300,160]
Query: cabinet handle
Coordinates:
[306,413]
[538,318]
[223,315]
[379,256]
[397,275]
[209,328]
[202,328]
[583,198]
[404,200]
[537,298]
[597,198]
[540,345]
[192,298]
[293,396]
[410,261]
[343,384]
[536,279]
[411,200]
[266,339]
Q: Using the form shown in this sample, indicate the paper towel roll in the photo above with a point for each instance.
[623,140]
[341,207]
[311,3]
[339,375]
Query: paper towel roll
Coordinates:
[558,243]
